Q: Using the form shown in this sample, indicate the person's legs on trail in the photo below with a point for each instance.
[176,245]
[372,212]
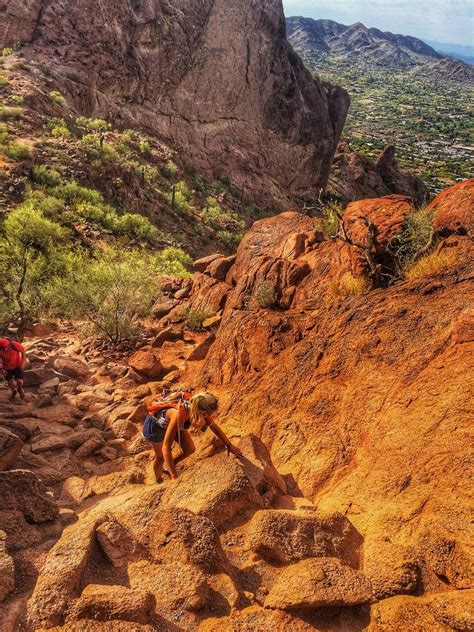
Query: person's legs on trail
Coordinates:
[12,386]
[21,392]
[158,461]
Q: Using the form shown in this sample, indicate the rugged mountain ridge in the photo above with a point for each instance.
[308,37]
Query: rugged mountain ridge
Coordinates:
[356,41]
[250,110]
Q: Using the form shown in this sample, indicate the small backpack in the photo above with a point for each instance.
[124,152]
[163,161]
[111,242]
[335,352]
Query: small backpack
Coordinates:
[157,409]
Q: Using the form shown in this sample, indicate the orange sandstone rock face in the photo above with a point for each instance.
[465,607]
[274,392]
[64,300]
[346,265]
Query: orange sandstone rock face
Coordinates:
[453,209]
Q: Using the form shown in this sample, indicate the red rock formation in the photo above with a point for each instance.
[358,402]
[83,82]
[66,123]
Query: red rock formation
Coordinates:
[216,79]
[354,176]
[453,209]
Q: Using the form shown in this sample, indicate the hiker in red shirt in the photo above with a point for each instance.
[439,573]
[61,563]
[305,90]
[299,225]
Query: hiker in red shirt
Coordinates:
[12,361]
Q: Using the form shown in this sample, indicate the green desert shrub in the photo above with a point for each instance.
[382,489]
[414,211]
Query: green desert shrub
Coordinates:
[3,81]
[10,113]
[46,177]
[194,318]
[16,152]
[169,170]
[230,240]
[57,97]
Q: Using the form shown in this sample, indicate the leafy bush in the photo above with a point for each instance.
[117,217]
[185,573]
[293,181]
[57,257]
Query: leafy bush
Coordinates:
[230,240]
[347,286]
[28,243]
[16,151]
[431,264]
[73,193]
[266,295]
[174,262]
[182,197]
[46,177]
[57,127]
[57,97]
[3,81]
[137,226]
[169,170]
[17,99]
[214,215]
[97,126]
[7,51]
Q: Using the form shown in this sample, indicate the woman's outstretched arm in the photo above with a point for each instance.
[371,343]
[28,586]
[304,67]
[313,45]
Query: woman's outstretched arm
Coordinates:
[223,437]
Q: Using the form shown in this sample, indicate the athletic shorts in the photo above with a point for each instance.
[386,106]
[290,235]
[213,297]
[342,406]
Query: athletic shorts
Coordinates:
[14,374]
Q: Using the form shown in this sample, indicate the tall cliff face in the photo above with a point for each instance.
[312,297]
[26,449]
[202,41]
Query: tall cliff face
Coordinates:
[216,79]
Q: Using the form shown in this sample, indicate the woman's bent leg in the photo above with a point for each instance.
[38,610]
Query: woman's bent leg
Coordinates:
[158,461]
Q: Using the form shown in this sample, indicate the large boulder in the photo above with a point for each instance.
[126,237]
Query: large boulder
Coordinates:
[61,575]
[208,295]
[216,488]
[453,209]
[286,536]
[286,235]
[21,491]
[147,363]
[71,367]
[318,583]
[175,586]
[105,603]
[442,612]
[10,448]
[392,570]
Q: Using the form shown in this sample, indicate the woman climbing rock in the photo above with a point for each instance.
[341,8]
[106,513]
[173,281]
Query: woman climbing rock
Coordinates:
[171,421]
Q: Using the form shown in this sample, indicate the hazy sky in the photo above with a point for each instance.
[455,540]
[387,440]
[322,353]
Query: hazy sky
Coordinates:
[448,21]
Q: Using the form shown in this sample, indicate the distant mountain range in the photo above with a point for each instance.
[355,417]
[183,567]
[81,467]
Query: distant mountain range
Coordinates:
[327,38]
[459,51]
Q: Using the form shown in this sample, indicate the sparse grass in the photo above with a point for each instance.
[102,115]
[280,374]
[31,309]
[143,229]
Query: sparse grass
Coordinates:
[414,235]
[347,286]
[431,264]
[57,97]
[266,295]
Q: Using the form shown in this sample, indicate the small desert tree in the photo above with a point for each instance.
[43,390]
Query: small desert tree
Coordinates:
[28,254]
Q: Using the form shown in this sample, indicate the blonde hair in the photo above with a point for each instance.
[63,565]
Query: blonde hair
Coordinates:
[201,404]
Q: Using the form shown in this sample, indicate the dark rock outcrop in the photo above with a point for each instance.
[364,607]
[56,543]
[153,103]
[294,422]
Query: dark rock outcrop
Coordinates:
[355,177]
[217,80]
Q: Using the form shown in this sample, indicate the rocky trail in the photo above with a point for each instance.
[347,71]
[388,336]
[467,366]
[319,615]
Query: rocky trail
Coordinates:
[350,508]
